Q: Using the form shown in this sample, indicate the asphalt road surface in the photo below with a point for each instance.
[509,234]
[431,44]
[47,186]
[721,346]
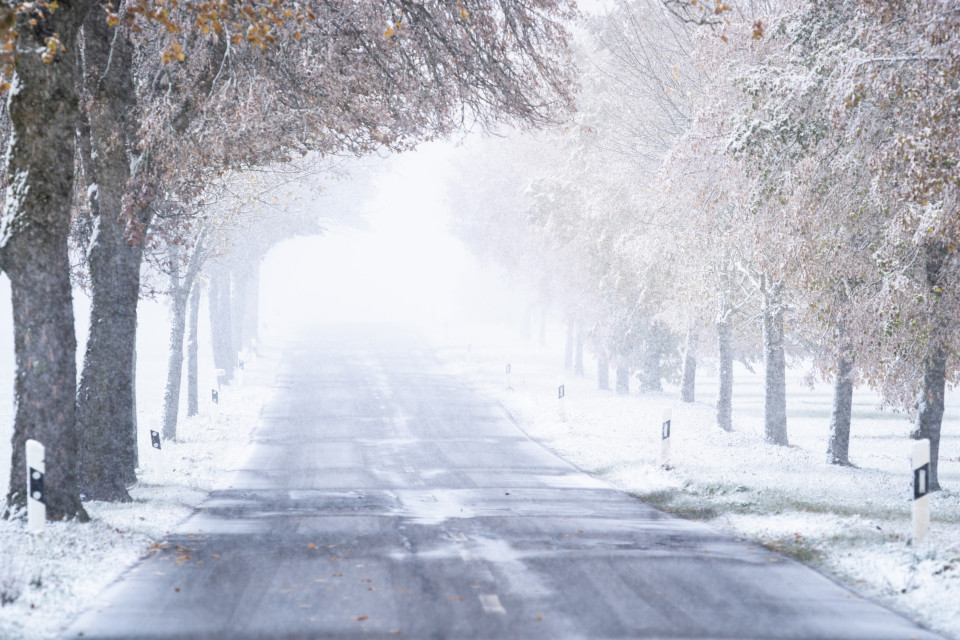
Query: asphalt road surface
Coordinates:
[384,497]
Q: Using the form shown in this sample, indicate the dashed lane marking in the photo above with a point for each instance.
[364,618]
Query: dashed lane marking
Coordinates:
[491,603]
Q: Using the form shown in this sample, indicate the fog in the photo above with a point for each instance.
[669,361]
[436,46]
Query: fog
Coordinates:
[398,263]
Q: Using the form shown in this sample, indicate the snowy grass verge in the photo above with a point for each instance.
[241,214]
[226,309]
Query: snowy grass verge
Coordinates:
[851,523]
[47,579]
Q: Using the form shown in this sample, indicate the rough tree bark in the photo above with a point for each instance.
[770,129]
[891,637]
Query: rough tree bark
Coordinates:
[179,297]
[105,398]
[43,107]
[775,368]
[725,366]
[931,397]
[689,377]
[193,396]
[838,445]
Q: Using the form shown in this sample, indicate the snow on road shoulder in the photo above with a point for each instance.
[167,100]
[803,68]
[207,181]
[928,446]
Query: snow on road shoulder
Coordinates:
[48,579]
[853,524]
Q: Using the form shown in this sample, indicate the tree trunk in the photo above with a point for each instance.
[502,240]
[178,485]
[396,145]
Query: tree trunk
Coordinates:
[838,446]
[568,347]
[43,110]
[578,351]
[238,302]
[775,374]
[652,351]
[931,396]
[689,377]
[105,398]
[251,309]
[603,372]
[179,296]
[725,366]
[220,330]
[193,396]
[930,409]
[623,379]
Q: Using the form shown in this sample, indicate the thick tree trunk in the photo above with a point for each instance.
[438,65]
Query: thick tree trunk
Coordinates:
[838,446]
[43,109]
[603,372]
[930,409]
[220,330]
[578,351]
[775,370]
[105,398]
[568,346]
[931,397]
[623,379]
[689,377]
[725,366]
[193,395]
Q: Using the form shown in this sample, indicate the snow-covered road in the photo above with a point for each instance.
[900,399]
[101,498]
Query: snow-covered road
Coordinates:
[384,496]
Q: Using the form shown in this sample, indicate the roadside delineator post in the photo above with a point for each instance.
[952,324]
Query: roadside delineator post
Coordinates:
[155,444]
[241,356]
[665,436]
[508,376]
[561,394]
[920,461]
[36,496]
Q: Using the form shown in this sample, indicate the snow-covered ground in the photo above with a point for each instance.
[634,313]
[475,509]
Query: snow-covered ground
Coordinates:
[47,579]
[853,524]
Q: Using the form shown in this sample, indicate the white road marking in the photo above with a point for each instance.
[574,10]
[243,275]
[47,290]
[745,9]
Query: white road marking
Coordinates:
[458,537]
[491,603]
[408,469]
[466,555]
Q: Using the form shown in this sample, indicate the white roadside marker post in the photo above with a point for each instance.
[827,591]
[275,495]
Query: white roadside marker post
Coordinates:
[36,498]
[155,443]
[508,387]
[215,389]
[920,459]
[241,356]
[665,436]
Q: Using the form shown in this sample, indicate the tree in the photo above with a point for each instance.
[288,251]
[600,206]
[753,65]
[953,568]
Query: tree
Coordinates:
[33,247]
[433,69]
